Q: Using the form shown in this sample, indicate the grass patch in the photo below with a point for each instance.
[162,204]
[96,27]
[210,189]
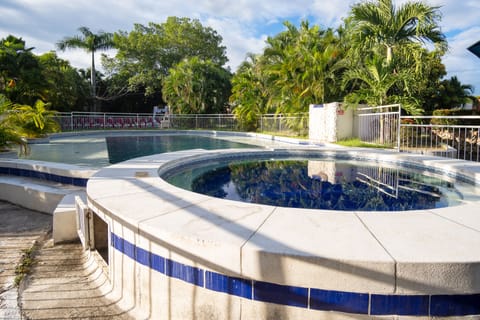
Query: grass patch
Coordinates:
[356,142]
[25,265]
[285,134]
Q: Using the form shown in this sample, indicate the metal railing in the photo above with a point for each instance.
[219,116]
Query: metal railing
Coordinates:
[442,136]
[290,125]
[226,122]
[80,121]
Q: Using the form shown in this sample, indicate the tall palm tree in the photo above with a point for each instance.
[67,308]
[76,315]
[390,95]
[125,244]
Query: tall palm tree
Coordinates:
[380,23]
[90,42]
[376,80]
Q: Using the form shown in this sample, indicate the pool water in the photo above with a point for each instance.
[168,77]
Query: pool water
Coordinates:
[324,184]
[101,151]
[125,148]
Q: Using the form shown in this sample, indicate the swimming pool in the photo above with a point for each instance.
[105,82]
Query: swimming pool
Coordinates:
[99,150]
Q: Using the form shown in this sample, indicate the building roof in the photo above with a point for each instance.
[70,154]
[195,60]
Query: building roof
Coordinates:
[475,49]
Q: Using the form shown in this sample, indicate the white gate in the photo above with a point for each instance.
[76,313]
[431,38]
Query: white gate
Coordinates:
[380,125]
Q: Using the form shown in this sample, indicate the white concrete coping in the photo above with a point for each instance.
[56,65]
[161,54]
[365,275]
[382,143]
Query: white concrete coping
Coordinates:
[60,169]
[414,252]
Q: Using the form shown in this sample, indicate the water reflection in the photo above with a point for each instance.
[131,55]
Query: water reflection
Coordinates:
[321,184]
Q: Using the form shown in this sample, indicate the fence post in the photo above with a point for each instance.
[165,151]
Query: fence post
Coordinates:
[399,127]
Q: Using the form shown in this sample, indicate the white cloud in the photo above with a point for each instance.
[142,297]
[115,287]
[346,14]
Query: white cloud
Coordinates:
[458,15]
[461,62]
[238,39]
[330,13]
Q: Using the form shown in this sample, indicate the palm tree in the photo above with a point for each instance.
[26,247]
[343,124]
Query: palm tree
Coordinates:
[250,92]
[453,94]
[91,42]
[377,79]
[380,24]
[34,121]
[9,133]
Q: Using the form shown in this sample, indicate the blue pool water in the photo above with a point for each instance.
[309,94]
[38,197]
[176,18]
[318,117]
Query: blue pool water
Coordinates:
[323,184]
[125,148]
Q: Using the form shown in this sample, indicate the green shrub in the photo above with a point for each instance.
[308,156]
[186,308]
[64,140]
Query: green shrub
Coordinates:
[455,113]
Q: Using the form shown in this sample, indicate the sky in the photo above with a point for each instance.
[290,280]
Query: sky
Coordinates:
[243,24]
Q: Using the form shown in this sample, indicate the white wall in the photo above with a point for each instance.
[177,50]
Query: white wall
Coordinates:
[330,122]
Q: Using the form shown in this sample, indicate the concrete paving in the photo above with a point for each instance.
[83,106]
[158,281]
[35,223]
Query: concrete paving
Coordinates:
[20,229]
[60,284]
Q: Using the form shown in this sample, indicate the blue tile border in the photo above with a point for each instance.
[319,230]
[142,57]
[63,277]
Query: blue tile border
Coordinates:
[234,286]
[402,305]
[301,297]
[349,302]
[184,272]
[78,182]
[459,305]
[280,294]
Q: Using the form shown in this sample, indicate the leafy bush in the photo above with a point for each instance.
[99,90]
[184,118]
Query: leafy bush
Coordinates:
[34,121]
[9,138]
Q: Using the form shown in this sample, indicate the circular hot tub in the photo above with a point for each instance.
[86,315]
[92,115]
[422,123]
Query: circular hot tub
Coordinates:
[178,254]
[325,183]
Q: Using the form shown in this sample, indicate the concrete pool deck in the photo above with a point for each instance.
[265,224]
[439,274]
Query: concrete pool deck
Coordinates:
[257,260]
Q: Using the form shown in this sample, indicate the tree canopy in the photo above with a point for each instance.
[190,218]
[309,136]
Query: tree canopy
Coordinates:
[379,55]
[147,53]
[21,75]
[197,86]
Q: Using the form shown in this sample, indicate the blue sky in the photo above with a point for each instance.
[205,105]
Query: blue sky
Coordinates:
[243,24]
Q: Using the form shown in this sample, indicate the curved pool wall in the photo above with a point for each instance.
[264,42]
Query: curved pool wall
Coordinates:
[174,254]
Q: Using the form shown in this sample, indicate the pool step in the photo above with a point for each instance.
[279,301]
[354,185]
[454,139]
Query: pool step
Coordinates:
[34,194]
[46,187]
[40,185]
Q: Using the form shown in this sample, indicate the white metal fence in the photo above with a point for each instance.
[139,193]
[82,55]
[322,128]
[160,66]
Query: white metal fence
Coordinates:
[292,125]
[80,121]
[445,136]
[380,125]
